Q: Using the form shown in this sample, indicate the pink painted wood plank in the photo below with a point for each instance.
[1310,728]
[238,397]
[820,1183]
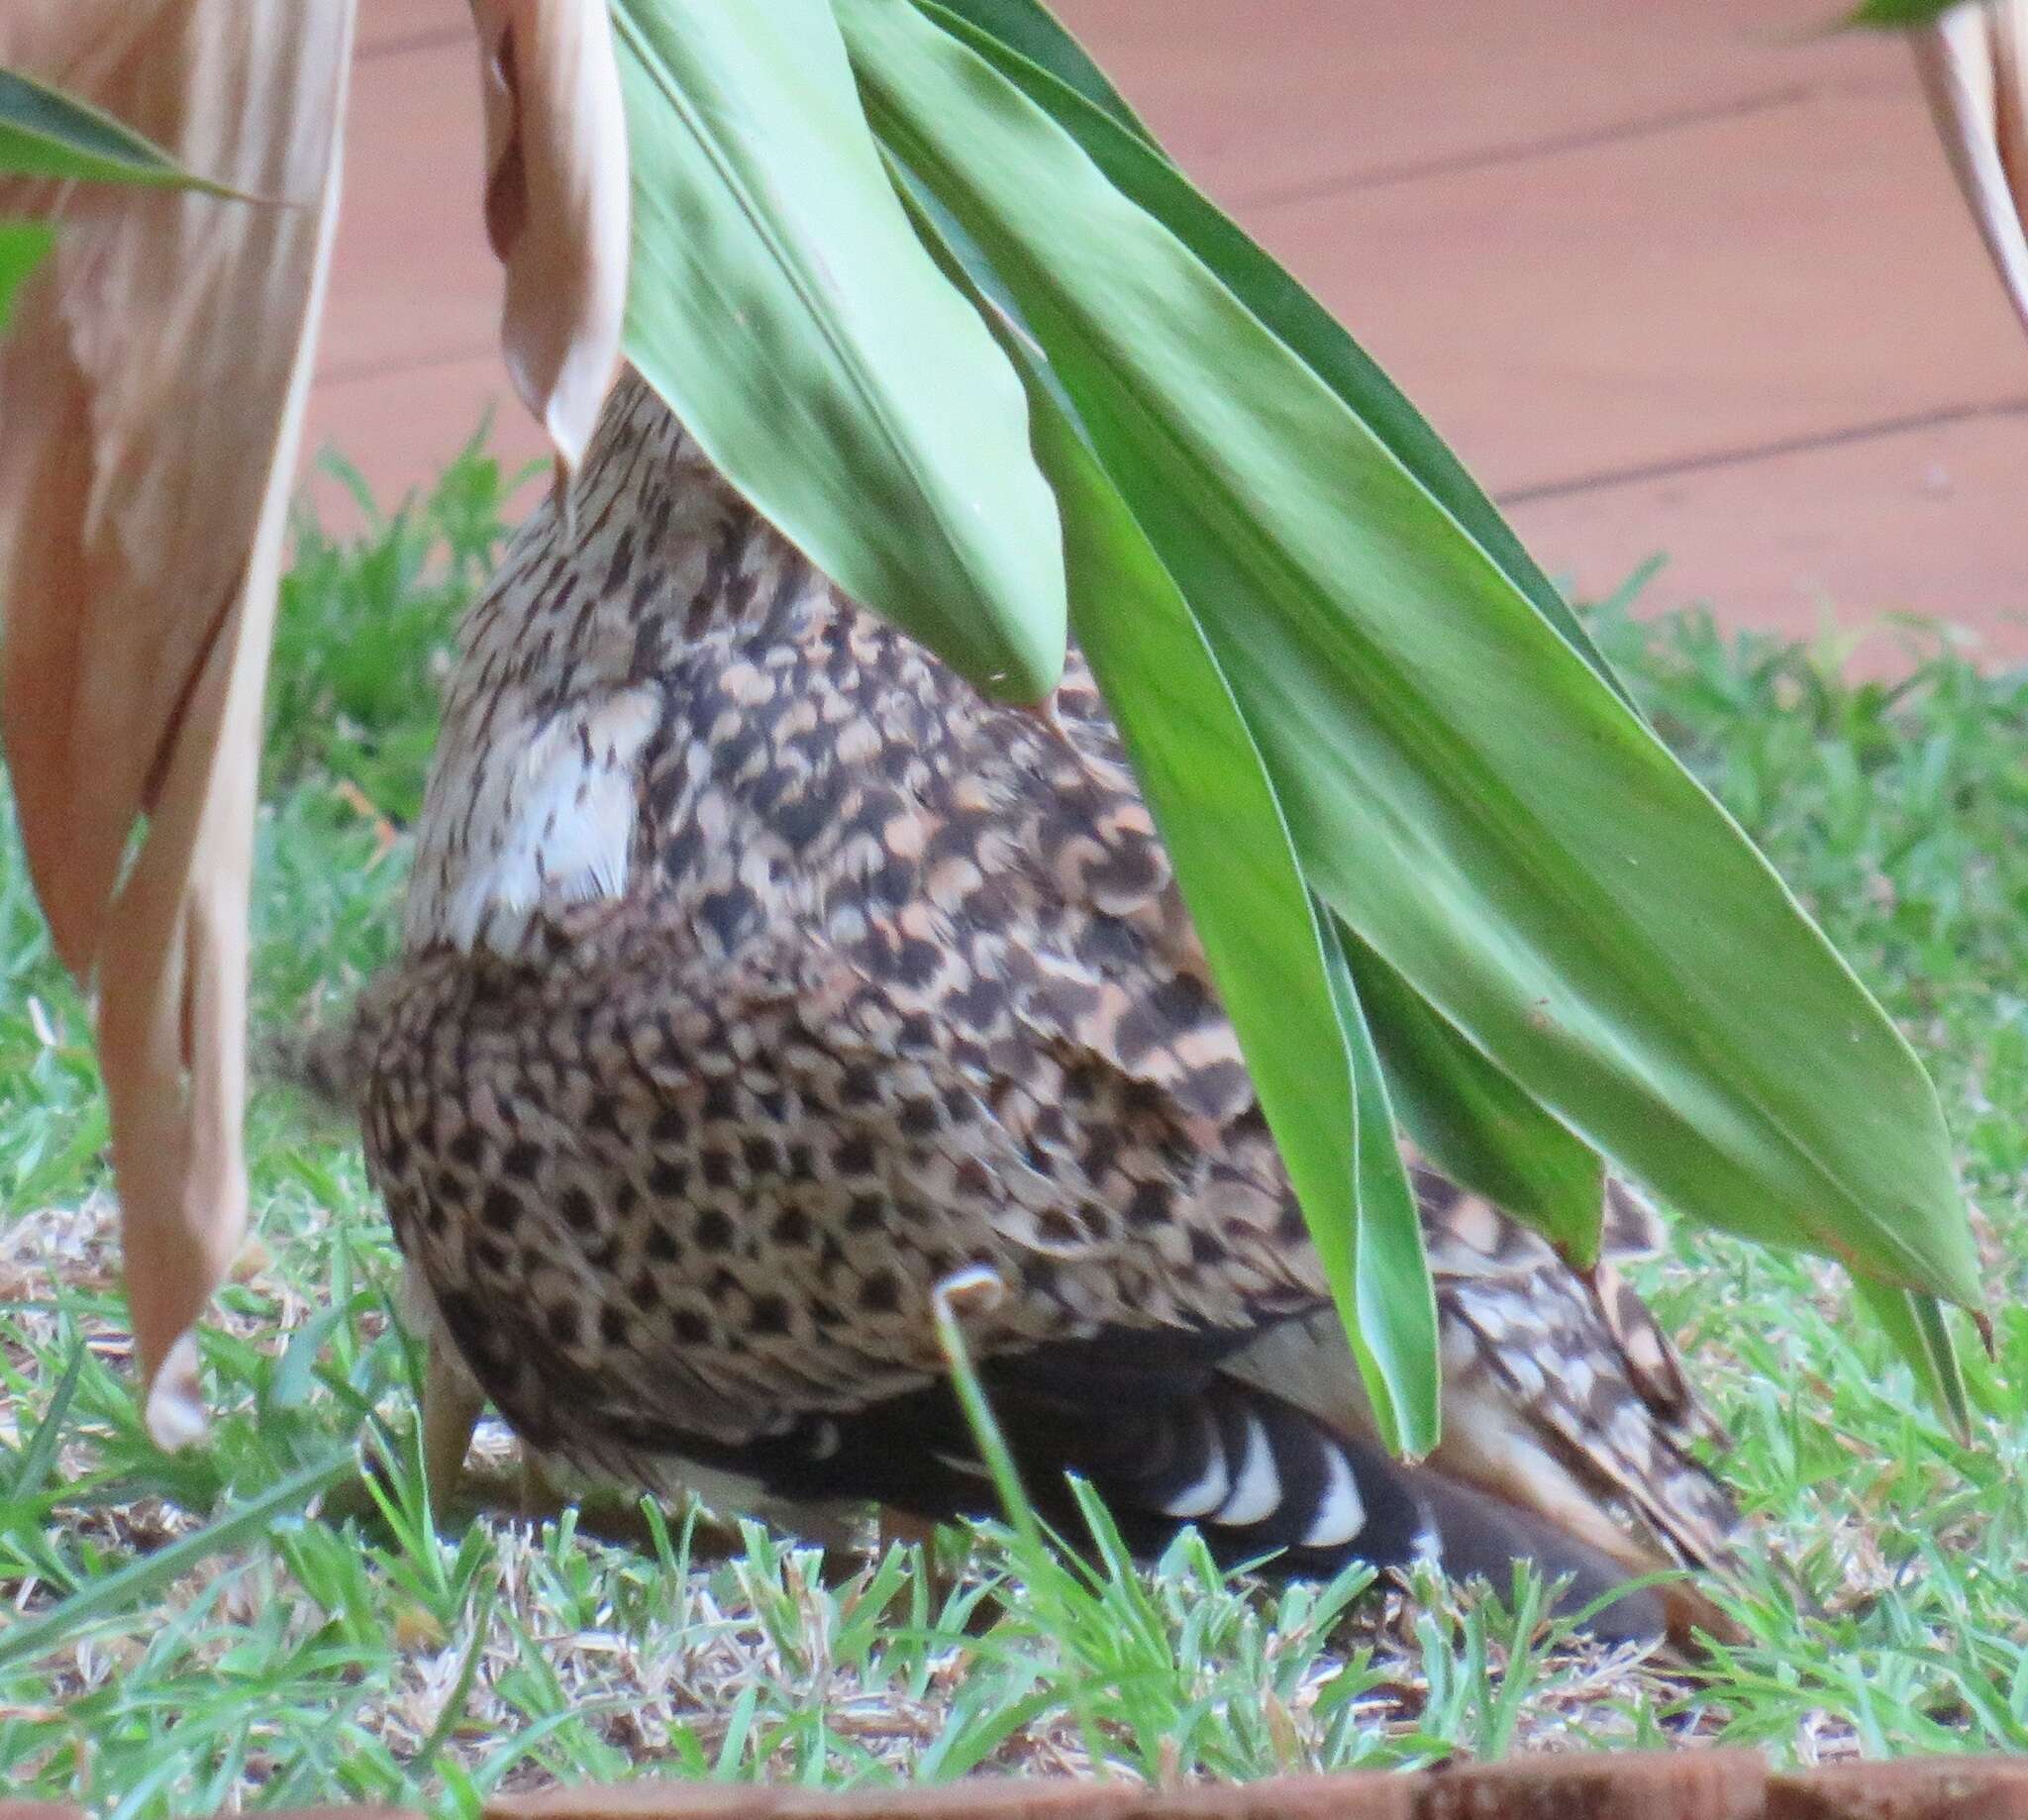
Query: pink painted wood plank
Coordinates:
[1749,280]
[412,277]
[400,429]
[384,24]
[1263,98]
[1927,522]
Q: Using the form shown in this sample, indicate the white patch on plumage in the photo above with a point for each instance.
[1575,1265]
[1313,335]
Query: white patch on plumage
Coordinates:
[1643,1347]
[1258,1489]
[1340,1512]
[1629,1431]
[1457,1347]
[1206,1493]
[554,828]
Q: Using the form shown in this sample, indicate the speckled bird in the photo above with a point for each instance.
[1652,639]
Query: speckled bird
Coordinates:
[761,977]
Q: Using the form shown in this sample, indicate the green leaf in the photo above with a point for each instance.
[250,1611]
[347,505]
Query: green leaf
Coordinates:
[1394,1303]
[782,305]
[1471,1121]
[1900,13]
[1915,1323]
[1136,167]
[1287,992]
[1032,33]
[1282,976]
[44,133]
[23,247]
[1468,794]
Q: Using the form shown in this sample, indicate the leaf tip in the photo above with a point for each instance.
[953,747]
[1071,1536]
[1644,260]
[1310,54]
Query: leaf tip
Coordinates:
[558,210]
[175,1409]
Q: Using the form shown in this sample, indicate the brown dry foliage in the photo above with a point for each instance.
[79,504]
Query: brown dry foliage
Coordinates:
[154,388]
[557,205]
[1973,64]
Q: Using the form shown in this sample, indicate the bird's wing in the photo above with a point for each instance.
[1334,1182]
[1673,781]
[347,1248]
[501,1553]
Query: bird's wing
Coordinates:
[1545,1407]
[727,1201]
[1563,1394]
[1468,1239]
[673,1227]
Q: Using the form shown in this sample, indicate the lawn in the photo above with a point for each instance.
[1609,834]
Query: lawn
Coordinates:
[181,1635]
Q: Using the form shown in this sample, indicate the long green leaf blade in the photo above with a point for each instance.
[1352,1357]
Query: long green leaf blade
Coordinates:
[1294,1008]
[1916,1324]
[1892,15]
[1394,1304]
[1286,991]
[44,133]
[1142,174]
[1467,793]
[38,1456]
[782,305]
[1473,1121]
[1030,31]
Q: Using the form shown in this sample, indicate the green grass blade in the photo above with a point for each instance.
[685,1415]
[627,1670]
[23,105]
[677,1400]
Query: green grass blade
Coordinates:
[29,1638]
[453,1713]
[1048,1578]
[782,305]
[44,133]
[23,245]
[1464,789]
[38,1454]
[295,1372]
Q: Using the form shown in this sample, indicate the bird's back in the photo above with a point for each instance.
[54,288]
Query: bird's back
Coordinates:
[761,978]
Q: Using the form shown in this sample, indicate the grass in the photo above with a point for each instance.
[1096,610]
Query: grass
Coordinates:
[241,1625]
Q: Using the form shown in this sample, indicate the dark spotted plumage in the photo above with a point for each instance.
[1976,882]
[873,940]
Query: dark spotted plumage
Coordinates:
[761,977]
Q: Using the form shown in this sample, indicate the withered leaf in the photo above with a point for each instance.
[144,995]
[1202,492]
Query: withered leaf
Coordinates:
[557,205]
[153,385]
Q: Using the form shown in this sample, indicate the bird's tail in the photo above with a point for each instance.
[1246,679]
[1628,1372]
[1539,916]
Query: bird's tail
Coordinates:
[1262,1477]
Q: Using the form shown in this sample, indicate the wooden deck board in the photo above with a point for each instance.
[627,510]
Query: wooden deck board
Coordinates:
[1920,522]
[399,429]
[1666,276]
[413,280]
[387,25]
[1263,99]
[1596,311]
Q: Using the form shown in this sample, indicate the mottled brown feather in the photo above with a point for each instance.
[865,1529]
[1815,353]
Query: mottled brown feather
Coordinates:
[760,975]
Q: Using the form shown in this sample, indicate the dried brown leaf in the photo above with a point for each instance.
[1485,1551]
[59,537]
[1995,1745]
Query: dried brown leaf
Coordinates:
[152,391]
[557,204]
[1973,64]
